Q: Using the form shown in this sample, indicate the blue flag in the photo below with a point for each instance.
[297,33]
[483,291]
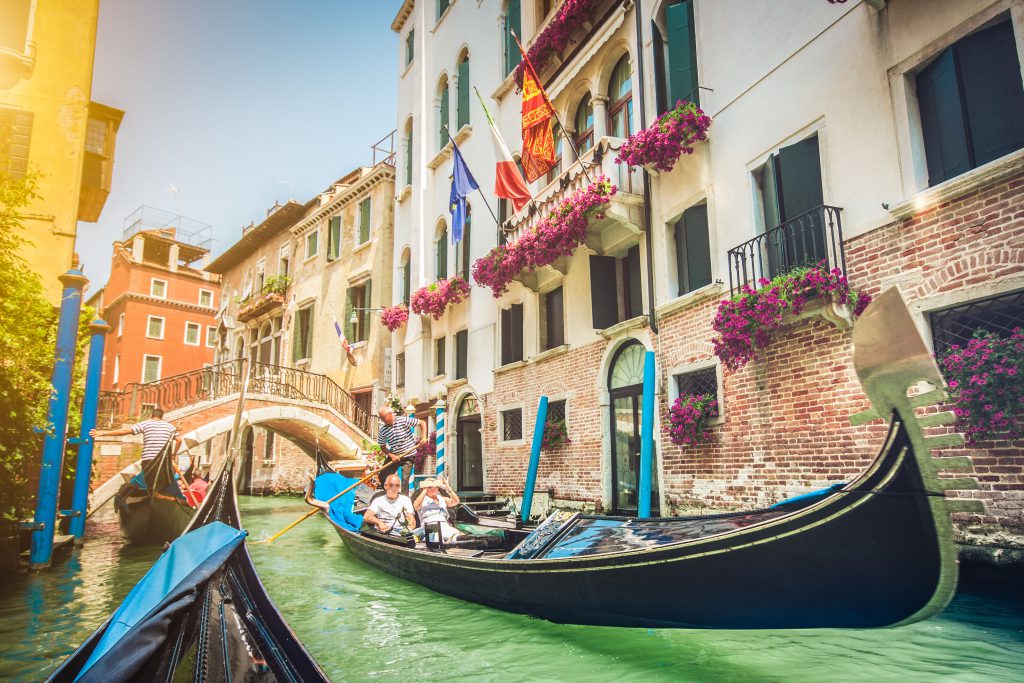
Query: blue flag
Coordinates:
[463,183]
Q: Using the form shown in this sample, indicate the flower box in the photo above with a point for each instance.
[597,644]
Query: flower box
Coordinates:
[659,146]
[688,418]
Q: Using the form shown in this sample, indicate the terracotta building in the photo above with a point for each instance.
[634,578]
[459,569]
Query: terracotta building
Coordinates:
[159,303]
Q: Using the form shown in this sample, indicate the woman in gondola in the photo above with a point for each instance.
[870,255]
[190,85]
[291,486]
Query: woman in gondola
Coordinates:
[432,506]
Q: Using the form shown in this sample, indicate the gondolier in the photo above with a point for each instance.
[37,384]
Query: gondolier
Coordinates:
[156,433]
[398,440]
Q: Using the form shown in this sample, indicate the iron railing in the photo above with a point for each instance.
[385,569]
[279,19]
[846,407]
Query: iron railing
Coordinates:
[136,401]
[809,239]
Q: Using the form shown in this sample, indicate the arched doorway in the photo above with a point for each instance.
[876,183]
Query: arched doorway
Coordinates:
[625,391]
[469,460]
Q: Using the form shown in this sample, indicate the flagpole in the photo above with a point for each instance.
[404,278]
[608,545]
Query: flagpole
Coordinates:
[482,195]
[554,111]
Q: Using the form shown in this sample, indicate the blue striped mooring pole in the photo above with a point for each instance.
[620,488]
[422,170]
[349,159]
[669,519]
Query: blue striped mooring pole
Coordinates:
[90,403]
[647,438]
[439,442]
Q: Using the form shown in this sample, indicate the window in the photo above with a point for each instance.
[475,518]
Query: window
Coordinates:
[503,215]
[120,325]
[14,27]
[406,277]
[268,446]
[556,413]
[615,288]
[584,122]
[462,248]
[364,221]
[513,22]
[261,275]
[408,153]
[15,137]
[462,103]
[699,383]
[410,46]
[442,5]
[211,337]
[155,327]
[442,114]
[400,370]
[192,332]
[302,342]
[553,315]
[158,288]
[512,424]
[357,312]
[556,170]
[675,57]
[96,136]
[972,103]
[333,237]
[439,356]
[206,298]
[283,262]
[117,368]
[312,246]
[693,250]
[151,368]
[512,334]
[998,314]
[441,253]
[620,100]
[461,354]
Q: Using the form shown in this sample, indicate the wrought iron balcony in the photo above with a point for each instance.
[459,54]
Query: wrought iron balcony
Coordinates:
[811,238]
[270,297]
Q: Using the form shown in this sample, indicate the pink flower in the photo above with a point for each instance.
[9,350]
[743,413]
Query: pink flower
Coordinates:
[688,417]
[435,298]
[671,135]
[394,317]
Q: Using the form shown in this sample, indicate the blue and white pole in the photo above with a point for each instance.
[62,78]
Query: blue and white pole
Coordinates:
[538,441]
[90,403]
[647,438]
[45,519]
[439,408]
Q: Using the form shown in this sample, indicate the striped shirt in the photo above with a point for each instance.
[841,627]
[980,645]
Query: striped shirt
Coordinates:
[400,436]
[155,435]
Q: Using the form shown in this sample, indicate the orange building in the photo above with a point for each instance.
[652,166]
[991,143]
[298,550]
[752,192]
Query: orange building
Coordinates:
[159,303]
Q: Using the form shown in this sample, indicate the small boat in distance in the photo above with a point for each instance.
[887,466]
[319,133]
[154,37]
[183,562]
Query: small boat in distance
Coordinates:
[877,551]
[201,614]
[151,507]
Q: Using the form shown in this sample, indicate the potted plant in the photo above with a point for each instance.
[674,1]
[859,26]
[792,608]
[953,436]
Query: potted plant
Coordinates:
[555,435]
[394,317]
[659,146]
[688,418]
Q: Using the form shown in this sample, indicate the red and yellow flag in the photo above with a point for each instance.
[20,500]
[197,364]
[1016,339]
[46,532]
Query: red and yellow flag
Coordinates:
[538,138]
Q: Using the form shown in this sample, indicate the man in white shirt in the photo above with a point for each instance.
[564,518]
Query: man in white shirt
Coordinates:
[387,513]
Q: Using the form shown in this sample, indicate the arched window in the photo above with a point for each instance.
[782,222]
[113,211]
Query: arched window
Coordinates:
[406,276]
[584,121]
[620,100]
[557,168]
[441,251]
[442,112]
[408,152]
[462,248]
[462,105]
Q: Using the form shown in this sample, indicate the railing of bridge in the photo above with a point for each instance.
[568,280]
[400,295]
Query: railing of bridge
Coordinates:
[136,400]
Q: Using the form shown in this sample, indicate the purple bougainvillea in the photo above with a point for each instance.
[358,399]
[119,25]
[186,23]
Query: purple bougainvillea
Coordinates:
[670,136]
[394,317]
[688,418]
[435,298]
[552,237]
[557,35]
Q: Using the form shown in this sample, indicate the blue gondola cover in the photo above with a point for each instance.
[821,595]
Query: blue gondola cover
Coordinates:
[331,484]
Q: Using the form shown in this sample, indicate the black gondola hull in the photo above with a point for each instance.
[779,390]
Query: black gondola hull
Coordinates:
[146,520]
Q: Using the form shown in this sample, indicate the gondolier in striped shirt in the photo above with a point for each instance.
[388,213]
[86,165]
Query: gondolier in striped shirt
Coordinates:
[397,438]
[156,433]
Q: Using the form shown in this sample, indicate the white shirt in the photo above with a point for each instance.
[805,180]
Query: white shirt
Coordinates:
[433,510]
[392,512]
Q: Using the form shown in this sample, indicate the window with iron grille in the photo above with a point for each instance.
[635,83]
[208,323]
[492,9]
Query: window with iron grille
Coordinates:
[512,424]
[699,382]
[998,314]
[556,413]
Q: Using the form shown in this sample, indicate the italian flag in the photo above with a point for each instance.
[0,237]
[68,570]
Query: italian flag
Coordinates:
[508,181]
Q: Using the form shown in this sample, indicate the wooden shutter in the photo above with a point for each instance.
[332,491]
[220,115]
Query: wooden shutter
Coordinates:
[604,305]
[506,336]
[439,350]
[682,53]
[697,246]
[463,252]
[334,238]
[364,220]
[942,120]
[463,94]
[633,292]
[502,217]
[406,282]
[347,322]
[660,77]
[513,22]
[15,140]
[442,256]
[461,353]
[410,46]
[366,316]
[799,178]
[517,331]
[408,158]
[443,123]
[554,314]
[992,92]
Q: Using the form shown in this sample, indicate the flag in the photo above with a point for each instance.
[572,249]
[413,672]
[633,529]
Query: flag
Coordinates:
[538,137]
[508,181]
[344,342]
[463,183]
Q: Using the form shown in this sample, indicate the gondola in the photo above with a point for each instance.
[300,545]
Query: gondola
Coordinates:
[213,621]
[151,508]
[877,551]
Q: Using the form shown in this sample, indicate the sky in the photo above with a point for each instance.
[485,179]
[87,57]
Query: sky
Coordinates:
[224,99]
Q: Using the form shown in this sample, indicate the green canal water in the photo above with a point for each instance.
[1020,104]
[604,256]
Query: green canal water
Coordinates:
[362,625]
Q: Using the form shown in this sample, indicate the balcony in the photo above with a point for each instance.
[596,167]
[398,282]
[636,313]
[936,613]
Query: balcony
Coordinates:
[620,225]
[98,161]
[269,298]
[811,238]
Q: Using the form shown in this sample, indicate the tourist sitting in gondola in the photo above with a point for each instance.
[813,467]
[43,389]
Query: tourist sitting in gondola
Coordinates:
[432,506]
[391,513]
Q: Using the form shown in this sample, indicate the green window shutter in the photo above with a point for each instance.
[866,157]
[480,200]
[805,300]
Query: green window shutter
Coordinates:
[444,116]
[347,324]
[942,120]
[554,318]
[660,77]
[682,53]
[408,159]
[800,178]
[439,350]
[334,238]
[442,256]
[364,221]
[406,282]
[697,245]
[410,45]
[365,316]
[514,22]
[992,92]
[517,331]
[603,296]
[461,353]
[463,103]
[634,298]
[442,5]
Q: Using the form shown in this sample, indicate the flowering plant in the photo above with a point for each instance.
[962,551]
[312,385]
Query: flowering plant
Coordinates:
[433,299]
[557,35]
[985,379]
[671,135]
[425,450]
[555,434]
[552,237]
[394,401]
[688,418]
[394,317]
[748,321]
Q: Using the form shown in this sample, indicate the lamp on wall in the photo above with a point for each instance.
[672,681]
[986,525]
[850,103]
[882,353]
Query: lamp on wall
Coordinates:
[354,320]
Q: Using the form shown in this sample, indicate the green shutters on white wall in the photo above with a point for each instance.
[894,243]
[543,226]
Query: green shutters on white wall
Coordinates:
[442,125]
[693,250]
[334,238]
[682,53]
[462,116]
[513,22]
[441,253]
[364,221]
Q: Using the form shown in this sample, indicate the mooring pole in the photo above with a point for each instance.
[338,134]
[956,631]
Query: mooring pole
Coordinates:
[647,438]
[538,441]
[90,403]
[45,520]
[439,408]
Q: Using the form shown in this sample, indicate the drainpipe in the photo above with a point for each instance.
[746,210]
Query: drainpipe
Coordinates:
[647,176]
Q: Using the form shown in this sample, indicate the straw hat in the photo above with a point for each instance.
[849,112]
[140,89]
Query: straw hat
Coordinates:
[427,483]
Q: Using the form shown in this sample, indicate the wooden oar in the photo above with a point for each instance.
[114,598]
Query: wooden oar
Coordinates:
[312,512]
